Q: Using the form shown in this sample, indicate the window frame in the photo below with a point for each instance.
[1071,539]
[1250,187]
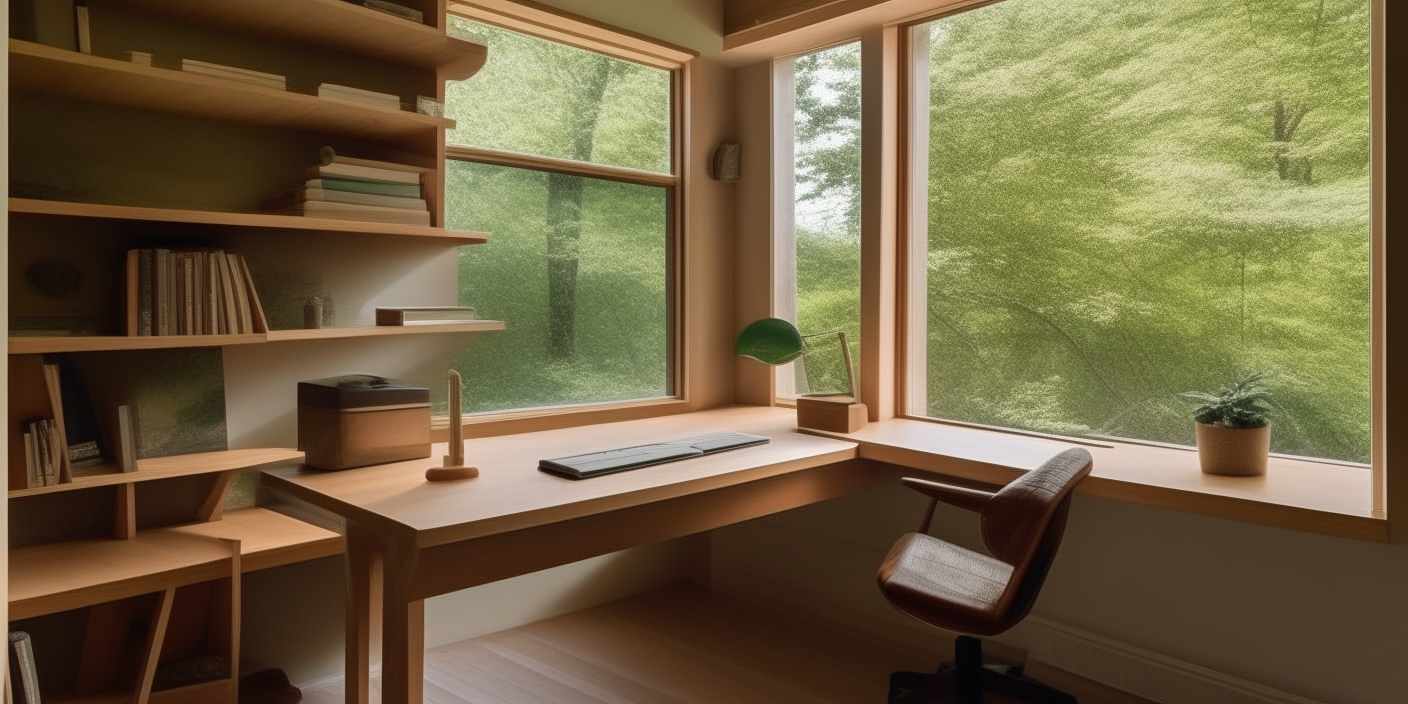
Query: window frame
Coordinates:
[910,382]
[576,31]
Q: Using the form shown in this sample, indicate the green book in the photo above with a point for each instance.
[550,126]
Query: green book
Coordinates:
[404,190]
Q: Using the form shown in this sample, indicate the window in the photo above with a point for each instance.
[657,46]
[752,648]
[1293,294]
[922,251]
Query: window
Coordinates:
[818,259]
[565,156]
[1123,200]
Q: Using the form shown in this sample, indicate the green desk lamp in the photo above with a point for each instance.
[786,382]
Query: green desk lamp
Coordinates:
[774,341]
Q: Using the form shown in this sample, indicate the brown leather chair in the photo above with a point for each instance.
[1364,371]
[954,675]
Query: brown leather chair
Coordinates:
[951,587]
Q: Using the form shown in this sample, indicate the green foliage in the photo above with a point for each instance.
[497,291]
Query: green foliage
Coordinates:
[1127,199]
[827,215]
[575,267]
[1244,404]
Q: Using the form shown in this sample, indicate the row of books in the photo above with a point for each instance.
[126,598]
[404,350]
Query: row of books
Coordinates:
[43,452]
[70,439]
[191,292]
[345,188]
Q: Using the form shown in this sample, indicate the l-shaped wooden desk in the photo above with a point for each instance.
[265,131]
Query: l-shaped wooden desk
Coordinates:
[409,539]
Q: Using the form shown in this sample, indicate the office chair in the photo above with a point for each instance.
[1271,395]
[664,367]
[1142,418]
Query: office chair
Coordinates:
[947,586]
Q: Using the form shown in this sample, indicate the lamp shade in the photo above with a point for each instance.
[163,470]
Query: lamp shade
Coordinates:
[770,341]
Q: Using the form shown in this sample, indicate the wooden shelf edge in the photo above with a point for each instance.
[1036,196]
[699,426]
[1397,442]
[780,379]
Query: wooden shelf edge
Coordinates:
[332,24]
[384,330]
[70,74]
[32,206]
[176,466]
[178,555]
[111,343]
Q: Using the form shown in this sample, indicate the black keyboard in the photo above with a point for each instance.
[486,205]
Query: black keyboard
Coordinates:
[598,463]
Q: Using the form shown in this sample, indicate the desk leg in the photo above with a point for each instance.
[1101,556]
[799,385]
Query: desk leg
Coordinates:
[403,627]
[364,578]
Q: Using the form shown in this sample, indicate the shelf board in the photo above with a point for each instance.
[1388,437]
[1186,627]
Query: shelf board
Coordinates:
[383,330]
[52,578]
[37,68]
[174,466]
[30,206]
[333,24]
[110,343]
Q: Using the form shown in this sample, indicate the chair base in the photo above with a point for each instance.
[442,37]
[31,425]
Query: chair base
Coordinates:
[965,680]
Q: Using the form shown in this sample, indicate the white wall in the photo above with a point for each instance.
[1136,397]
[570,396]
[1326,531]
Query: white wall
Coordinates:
[1325,618]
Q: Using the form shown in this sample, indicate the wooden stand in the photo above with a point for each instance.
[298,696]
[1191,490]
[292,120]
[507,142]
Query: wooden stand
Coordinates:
[453,467]
[837,414]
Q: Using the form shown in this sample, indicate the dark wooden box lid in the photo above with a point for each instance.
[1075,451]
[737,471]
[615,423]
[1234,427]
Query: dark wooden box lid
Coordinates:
[359,391]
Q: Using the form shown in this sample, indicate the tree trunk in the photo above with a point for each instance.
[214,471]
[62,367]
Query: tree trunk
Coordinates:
[564,211]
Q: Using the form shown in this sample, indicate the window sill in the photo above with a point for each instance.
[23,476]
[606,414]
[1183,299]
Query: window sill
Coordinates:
[1303,495]
[488,425]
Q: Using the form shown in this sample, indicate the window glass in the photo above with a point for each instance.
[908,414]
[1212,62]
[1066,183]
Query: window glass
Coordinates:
[576,268]
[826,215]
[1127,200]
[539,97]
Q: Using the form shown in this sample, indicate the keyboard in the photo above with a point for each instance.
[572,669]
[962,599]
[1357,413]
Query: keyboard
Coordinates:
[598,463]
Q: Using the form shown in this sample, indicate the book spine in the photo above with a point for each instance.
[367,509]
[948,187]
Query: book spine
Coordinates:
[256,311]
[188,301]
[144,293]
[31,458]
[56,401]
[132,289]
[404,190]
[25,677]
[246,324]
[83,30]
[198,293]
[214,316]
[163,292]
[228,305]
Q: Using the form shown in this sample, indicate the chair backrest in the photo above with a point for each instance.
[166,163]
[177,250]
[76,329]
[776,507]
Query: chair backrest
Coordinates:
[1024,522]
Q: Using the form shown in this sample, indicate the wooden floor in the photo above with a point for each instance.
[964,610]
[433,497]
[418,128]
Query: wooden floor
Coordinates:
[679,645]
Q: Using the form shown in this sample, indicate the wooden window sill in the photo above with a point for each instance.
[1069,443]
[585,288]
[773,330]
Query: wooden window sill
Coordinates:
[1315,497]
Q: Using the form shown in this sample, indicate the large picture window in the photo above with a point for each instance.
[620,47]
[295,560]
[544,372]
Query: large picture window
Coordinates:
[818,237]
[1124,200]
[565,157]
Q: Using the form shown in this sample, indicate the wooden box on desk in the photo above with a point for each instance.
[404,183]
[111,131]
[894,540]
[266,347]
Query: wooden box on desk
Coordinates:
[837,414]
[360,419]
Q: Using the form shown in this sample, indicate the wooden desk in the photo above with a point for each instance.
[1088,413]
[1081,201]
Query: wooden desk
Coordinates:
[408,539]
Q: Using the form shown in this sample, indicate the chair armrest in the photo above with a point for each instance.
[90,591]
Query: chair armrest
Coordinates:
[962,497]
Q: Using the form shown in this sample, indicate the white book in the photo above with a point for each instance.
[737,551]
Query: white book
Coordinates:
[362,173]
[363,213]
[85,33]
[357,95]
[141,58]
[203,68]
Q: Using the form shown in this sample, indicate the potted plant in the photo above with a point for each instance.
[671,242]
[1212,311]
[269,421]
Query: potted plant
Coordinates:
[1233,428]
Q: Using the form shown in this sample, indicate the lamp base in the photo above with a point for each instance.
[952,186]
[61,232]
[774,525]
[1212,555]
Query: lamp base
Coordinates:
[836,414]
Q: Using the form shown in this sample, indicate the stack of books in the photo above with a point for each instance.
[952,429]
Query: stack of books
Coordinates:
[268,80]
[191,292]
[43,452]
[357,95]
[343,188]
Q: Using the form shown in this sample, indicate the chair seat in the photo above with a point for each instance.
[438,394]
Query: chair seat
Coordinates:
[945,585]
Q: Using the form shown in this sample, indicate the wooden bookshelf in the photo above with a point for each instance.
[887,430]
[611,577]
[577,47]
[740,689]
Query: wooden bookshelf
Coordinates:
[63,576]
[110,343]
[37,68]
[31,206]
[332,24]
[169,467]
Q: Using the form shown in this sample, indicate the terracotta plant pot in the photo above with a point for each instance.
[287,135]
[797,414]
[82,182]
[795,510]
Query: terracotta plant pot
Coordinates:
[1234,452]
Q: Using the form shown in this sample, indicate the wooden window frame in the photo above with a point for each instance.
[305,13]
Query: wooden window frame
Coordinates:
[549,24]
[907,268]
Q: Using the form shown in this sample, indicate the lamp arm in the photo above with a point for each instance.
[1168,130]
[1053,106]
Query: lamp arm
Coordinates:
[846,354]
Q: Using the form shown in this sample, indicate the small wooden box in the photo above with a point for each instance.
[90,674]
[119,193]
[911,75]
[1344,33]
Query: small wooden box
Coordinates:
[359,420]
[837,414]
